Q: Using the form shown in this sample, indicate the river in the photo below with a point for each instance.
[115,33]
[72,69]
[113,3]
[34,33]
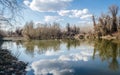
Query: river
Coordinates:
[67,57]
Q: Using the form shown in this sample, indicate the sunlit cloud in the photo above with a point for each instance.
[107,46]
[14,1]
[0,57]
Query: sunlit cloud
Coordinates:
[86,16]
[58,7]
[26,2]
[61,64]
[82,14]
[54,67]
[47,5]
[51,66]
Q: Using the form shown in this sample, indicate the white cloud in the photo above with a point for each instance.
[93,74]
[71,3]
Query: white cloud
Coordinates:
[85,22]
[86,16]
[54,67]
[38,22]
[26,2]
[60,63]
[49,53]
[85,11]
[48,5]
[82,14]
[52,19]
[73,57]
[82,55]
[64,12]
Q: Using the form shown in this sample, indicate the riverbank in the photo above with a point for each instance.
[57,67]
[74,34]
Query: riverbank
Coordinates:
[10,65]
[12,38]
[114,36]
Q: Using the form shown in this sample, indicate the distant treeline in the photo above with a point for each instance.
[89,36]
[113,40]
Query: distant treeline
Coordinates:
[108,24]
[47,31]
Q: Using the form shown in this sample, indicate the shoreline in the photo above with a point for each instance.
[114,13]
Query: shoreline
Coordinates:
[10,65]
[107,37]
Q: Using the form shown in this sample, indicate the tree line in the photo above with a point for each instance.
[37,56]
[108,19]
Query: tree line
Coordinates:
[47,31]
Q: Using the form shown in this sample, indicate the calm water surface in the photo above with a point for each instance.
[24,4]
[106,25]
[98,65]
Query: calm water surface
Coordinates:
[68,57]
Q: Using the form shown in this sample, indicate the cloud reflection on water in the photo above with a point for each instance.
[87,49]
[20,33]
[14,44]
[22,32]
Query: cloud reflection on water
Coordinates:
[61,64]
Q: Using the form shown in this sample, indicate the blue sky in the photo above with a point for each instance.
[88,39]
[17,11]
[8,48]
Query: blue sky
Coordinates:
[65,11]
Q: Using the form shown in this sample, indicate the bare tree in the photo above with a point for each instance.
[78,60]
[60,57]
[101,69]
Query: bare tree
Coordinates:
[11,8]
[93,18]
[10,11]
[114,11]
[107,24]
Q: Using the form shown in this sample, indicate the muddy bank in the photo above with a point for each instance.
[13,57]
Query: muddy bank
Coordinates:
[9,65]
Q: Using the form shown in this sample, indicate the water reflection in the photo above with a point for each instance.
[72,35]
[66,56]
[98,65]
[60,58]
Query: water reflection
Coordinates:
[68,57]
[108,50]
[41,46]
[44,46]
[71,43]
[1,43]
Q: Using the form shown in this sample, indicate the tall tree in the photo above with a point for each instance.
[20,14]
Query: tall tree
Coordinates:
[68,27]
[93,18]
[114,11]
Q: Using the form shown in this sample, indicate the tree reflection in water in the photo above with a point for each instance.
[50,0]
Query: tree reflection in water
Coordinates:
[71,43]
[108,50]
[44,45]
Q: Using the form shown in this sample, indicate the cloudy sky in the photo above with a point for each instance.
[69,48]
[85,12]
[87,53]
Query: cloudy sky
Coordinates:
[65,11]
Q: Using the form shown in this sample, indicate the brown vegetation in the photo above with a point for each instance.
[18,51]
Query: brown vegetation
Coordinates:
[108,24]
[48,31]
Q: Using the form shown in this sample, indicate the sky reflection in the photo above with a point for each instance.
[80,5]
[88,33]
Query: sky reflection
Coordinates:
[71,57]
